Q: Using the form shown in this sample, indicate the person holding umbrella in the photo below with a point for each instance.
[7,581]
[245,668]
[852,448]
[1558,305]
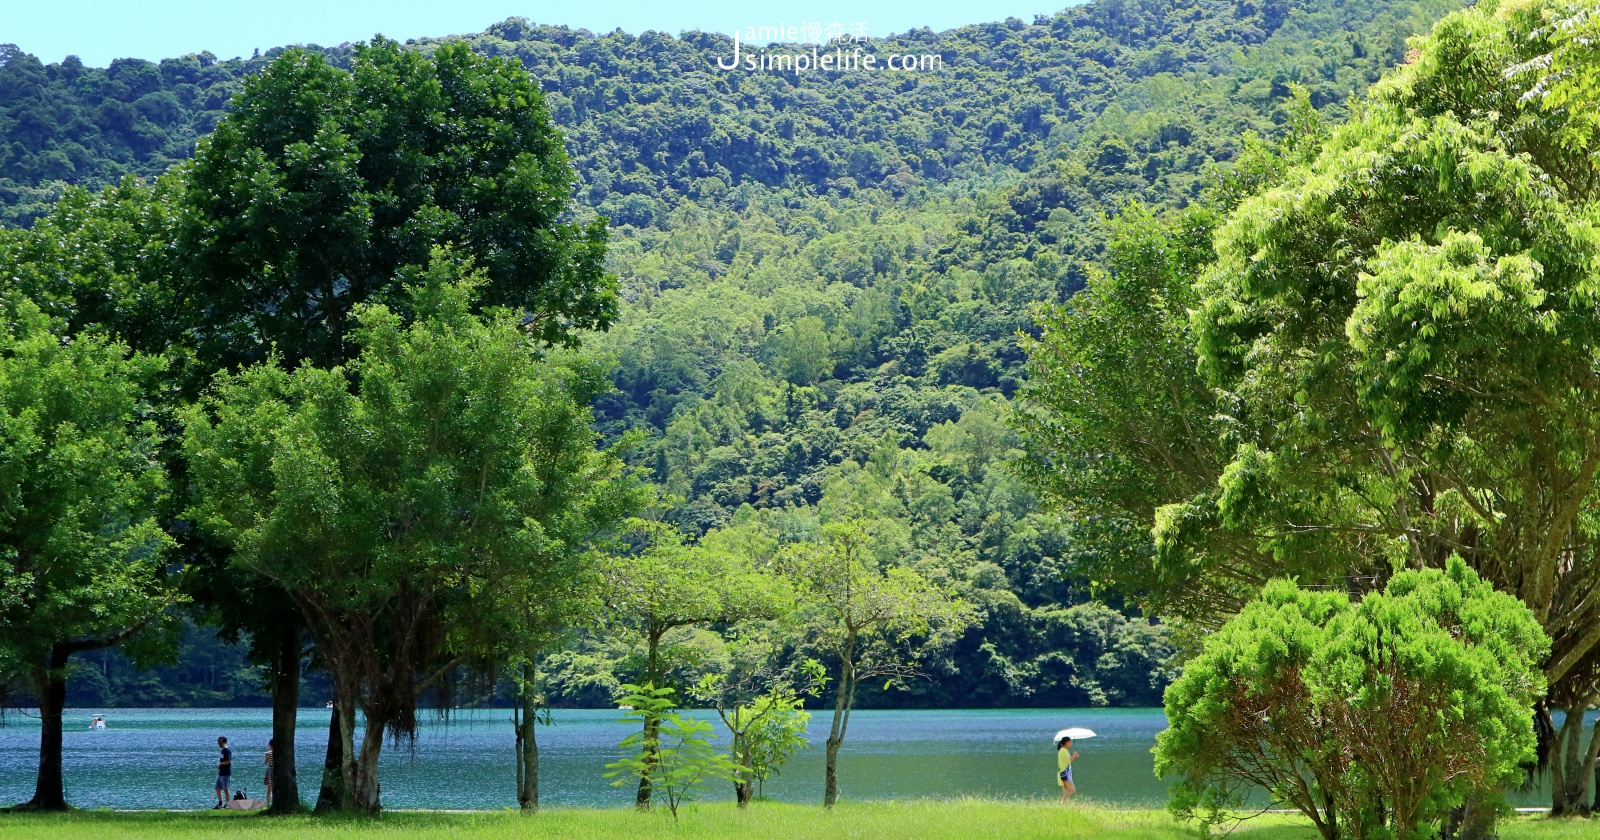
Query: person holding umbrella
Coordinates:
[1065,755]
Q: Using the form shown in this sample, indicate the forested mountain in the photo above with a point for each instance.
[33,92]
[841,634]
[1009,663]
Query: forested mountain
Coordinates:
[652,116]
[825,275]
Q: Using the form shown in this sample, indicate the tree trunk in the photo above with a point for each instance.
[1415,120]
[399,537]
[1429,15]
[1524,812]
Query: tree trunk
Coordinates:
[1569,769]
[285,708]
[743,780]
[348,764]
[528,746]
[652,671]
[1594,761]
[331,797]
[50,680]
[1592,769]
[366,769]
[830,773]
[652,749]
[530,760]
[1478,823]
[1473,820]
[841,717]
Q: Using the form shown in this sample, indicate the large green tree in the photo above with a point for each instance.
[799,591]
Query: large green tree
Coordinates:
[1403,337]
[323,185]
[83,557]
[1398,335]
[107,262]
[398,498]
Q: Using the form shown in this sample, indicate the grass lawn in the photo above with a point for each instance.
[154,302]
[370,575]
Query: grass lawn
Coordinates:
[907,819]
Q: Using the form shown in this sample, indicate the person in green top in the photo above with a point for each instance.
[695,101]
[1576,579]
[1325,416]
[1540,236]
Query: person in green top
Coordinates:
[1064,757]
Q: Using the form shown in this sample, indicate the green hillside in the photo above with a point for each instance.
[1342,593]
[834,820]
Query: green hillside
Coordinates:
[824,277]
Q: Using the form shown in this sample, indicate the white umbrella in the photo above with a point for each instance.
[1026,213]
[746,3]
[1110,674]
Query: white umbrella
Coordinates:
[1077,733]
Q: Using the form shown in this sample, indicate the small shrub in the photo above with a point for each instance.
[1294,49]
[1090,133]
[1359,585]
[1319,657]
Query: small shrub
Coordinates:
[1372,718]
[672,754]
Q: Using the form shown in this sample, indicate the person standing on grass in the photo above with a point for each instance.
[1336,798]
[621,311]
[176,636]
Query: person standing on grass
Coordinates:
[1065,755]
[224,773]
[268,780]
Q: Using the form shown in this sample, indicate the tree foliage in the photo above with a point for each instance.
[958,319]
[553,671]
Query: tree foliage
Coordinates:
[1403,333]
[395,497]
[1117,420]
[864,615]
[671,755]
[83,556]
[1371,718]
[662,586]
[106,260]
[323,186]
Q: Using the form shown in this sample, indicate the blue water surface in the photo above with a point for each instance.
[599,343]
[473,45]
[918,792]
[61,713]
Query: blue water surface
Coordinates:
[166,758]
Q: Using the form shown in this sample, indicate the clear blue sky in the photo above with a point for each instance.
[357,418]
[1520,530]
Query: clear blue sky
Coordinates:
[100,30]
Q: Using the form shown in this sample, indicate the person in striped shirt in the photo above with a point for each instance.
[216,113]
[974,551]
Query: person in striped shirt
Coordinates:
[268,780]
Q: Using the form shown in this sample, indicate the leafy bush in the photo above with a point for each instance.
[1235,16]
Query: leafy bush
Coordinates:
[673,755]
[1372,718]
[777,731]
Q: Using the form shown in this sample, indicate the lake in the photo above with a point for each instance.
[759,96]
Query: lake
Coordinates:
[166,758]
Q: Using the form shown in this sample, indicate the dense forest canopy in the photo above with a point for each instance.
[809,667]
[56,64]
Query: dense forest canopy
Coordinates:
[824,277]
[651,116]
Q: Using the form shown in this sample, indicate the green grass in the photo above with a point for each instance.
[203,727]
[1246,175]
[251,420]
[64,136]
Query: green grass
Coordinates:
[1013,820]
[900,820]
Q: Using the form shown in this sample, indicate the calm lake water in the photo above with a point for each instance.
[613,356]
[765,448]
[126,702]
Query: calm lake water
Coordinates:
[166,758]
